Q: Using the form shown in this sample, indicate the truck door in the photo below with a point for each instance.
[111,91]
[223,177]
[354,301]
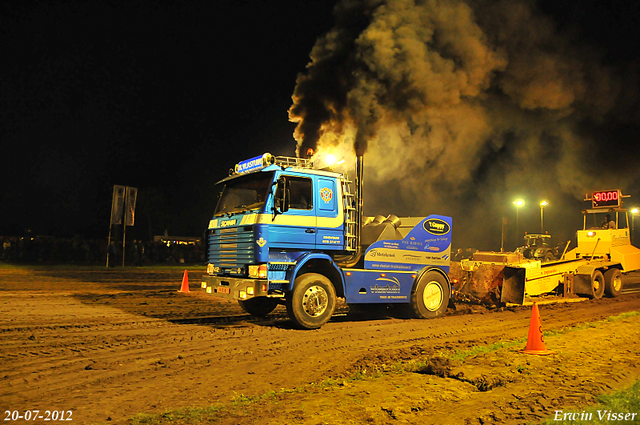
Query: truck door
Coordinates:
[296,228]
[330,219]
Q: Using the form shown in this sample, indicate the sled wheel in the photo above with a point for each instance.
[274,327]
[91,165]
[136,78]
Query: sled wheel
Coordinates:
[613,282]
[312,301]
[597,284]
[259,306]
[431,296]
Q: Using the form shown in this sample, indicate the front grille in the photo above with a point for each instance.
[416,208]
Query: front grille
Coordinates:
[232,248]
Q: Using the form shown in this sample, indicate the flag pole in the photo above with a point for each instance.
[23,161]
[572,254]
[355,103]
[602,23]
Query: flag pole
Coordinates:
[124,222]
[113,197]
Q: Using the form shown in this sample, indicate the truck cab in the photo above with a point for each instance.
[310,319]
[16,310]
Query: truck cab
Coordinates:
[286,233]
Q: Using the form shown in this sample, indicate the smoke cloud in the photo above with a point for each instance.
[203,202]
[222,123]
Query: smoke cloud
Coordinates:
[461,106]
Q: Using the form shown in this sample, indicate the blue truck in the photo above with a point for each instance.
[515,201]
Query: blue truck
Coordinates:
[286,233]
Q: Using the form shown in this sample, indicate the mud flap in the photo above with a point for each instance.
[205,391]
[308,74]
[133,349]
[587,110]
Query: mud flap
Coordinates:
[582,285]
[513,286]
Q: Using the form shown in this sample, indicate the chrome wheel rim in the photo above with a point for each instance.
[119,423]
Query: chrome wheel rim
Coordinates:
[315,301]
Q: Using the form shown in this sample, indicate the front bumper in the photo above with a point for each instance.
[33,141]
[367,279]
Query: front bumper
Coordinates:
[234,288]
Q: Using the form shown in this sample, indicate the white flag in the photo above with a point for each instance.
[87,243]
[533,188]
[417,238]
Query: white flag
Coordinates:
[117,204]
[130,212]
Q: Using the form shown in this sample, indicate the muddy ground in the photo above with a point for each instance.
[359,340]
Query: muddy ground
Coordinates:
[109,344]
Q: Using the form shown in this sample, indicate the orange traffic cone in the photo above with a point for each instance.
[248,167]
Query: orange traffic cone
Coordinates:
[185,283]
[535,341]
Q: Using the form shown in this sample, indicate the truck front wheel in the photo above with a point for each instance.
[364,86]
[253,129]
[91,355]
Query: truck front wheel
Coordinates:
[259,306]
[613,282]
[312,301]
[431,296]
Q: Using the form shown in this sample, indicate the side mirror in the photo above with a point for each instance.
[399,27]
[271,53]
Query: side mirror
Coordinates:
[282,195]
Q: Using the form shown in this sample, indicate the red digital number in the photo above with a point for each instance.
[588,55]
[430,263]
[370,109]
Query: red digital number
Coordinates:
[609,198]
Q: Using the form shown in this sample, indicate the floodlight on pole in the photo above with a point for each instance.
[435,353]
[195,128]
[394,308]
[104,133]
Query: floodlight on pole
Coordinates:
[542,205]
[634,213]
[518,203]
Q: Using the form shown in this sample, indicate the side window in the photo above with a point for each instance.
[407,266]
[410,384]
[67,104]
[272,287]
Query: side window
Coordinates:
[301,193]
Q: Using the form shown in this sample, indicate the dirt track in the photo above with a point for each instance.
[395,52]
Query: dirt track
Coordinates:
[108,344]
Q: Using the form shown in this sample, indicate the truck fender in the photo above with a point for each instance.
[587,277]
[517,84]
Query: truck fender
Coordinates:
[317,262]
[428,269]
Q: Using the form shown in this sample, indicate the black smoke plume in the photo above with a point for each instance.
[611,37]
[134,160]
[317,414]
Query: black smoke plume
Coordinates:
[461,106]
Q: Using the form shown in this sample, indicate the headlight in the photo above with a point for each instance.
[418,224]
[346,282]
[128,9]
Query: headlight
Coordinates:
[212,269]
[258,271]
[591,234]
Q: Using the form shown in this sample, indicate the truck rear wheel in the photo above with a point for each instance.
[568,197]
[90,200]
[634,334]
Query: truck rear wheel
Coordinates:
[613,282]
[312,301]
[431,296]
[259,306]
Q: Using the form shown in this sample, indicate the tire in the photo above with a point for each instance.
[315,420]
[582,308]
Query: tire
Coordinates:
[613,282]
[259,306]
[597,284]
[312,301]
[549,257]
[431,296]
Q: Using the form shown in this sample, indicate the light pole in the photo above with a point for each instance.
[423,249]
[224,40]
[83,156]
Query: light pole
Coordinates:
[634,212]
[518,203]
[542,205]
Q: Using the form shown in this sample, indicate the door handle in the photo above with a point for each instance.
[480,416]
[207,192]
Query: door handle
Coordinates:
[310,230]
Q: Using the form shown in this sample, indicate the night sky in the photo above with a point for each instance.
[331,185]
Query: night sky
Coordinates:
[166,96]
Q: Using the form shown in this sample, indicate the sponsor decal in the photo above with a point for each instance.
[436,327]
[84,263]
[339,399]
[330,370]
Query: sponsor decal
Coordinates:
[261,242]
[375,253]
[409,257]
[386,286]
[326,194]
[435,226]
[619,240]
[226,223]
[335,240]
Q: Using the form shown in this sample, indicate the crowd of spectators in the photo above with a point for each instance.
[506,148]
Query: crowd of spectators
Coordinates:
[47,249]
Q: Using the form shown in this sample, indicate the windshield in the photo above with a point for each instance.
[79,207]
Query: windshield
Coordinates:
[244,193]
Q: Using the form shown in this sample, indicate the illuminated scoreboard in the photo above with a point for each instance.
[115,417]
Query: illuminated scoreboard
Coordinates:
[606,198]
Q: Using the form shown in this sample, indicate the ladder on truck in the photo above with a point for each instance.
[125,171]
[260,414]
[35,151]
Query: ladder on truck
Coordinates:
[350,219]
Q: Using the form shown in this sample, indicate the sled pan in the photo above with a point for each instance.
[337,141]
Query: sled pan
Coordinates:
[513,285]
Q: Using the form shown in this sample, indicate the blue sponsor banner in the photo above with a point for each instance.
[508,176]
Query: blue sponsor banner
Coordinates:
[249,165]
[428,243]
